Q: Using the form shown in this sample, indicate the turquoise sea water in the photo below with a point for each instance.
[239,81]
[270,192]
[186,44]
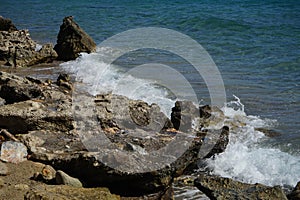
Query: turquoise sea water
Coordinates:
[255,45]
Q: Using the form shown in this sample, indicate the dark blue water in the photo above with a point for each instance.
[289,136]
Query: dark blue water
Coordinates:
[255,44]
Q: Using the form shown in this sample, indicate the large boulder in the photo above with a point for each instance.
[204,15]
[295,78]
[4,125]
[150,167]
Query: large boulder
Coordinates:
[17,49]
[72,40]
[7,25]
[216,187]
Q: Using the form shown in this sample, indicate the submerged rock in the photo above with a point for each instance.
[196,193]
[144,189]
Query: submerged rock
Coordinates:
[61,192]
[17,49]
[72,40]
[224,188]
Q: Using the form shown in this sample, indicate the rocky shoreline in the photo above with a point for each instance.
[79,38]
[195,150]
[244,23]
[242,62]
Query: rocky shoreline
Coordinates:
[41,131]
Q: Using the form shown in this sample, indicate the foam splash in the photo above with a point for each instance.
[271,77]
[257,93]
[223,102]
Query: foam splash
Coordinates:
[99,77]
[246,160]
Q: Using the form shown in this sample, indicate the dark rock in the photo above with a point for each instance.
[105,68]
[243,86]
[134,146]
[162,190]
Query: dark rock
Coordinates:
[205,111]
[176,115]
[183,114]
[17,49]
[295,194]
[220,144]
[61,192]
[7,25]
[224,188]
[72,40]
[64,80]
[268,132]
[15,89]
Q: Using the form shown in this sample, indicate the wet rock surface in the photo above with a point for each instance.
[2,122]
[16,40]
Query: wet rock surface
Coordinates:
[224,188]
[295,194]
[72,40]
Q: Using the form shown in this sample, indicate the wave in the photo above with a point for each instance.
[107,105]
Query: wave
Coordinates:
[245,159]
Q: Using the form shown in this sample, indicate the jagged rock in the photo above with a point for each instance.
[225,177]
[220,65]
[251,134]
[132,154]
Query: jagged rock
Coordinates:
[295,194]
[64,80]
[13,152]
[63,192]
[72,40]
[211,117]
[183,114]
[7,25]
[268,132]
[64,179]
[17,49]
[31,106]
[219,141]
[2,101]
[224,188]
[15,89]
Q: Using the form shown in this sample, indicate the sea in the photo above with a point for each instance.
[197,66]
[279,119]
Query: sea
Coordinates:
[254,45]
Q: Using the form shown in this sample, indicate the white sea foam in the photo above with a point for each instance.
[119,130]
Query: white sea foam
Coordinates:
[245,159]
[99,77]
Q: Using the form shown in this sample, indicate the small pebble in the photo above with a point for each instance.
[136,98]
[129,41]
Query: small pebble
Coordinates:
[22,187]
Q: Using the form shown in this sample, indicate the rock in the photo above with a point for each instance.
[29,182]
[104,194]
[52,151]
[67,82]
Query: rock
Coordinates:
[48,173]
[63,192]
[183,114]
[15,89]
[64,179]
[219,144]
[224,188]
[211,117]
[64,80]
[2,102]
[268,132]
[22,187]
[7,25]
[72,40]
[17,49]
[13,152]
[176,115]
[295,194]
[32,106]
[3,169]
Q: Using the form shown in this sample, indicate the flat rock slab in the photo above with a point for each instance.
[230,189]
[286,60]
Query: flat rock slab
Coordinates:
[216,187]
